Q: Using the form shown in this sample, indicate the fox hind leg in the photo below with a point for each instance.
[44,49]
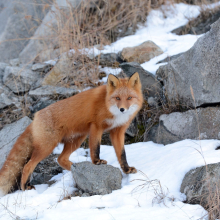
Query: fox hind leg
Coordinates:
[69,146]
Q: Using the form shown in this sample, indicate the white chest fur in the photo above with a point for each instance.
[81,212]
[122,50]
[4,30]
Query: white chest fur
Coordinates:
[120,118]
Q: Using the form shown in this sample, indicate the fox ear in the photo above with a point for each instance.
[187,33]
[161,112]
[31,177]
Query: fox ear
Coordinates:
[112,81]
[134,80]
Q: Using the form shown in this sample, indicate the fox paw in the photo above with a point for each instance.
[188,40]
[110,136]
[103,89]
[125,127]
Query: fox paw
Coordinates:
[130,170]
[30,187]
[98,162]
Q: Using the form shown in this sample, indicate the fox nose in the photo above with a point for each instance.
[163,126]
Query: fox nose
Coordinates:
[122,109]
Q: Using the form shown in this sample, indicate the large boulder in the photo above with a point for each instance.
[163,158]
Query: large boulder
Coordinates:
[141,53]
[193,78]
[19,20]
[96,179]
[201,185]
[44,45]
[9,135]
[202,123]
[19,79]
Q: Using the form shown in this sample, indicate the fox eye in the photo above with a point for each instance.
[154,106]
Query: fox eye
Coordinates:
[117,98]
[129,98]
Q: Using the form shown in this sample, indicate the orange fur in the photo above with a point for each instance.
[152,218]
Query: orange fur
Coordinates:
[69,121]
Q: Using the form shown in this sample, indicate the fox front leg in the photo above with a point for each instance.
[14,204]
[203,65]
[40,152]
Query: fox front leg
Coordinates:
[94,144]
[117,137]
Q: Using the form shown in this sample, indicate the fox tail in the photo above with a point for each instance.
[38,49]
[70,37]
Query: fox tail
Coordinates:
[11,171]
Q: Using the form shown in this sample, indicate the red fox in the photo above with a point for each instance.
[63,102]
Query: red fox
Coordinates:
[108,108]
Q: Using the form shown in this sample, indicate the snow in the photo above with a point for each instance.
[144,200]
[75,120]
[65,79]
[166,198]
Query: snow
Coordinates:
[158,165]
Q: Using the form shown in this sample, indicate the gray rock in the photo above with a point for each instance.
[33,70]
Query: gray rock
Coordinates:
[9,135]
[44,50]
[168,59]
[42,67]
[52,91]
[96,179]
[19,20]
[198,68]
[150,85]
[42,103]
[201,184]
[15,62]
[7,97]
[45,170]
[2,70]
[109,59]
[19,79]
[200,124]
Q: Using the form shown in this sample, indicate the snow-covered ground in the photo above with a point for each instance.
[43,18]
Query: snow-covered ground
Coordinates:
[156,163]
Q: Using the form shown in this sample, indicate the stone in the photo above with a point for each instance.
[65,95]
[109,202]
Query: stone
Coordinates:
[199,25]
[45,170]
[7,98]
[44,50]
[41,104]
[2,70]
[202,123]
[61,69]
[142,53]
[52,91]
[150,85]
[9,135]
[19,79]
[15,62]
[96,179]
[192,80]
[42,67]
[109,59]
[19,20]
[201,184]
[169,58]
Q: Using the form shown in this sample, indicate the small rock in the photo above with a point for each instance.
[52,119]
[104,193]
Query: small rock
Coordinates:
[19,79]
[201,184]
[109,59]
[52,91]
[2,70]
[42,103]
[142,53]
[85,195]
[42,67]
[96,179]
[15,62]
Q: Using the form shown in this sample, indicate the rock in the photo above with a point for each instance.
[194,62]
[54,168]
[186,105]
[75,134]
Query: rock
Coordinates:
[15,62]
[109,59]
[45,49]
[132,129]
[179,126]
[61,69]
[150,85]
[19,20]
[42,103]
[142,53]
[52,91]
[7,97]
[96,179]
[168,59]
[9,135]
[45,170]
[2,70]
[42,67]
[201,184]
[197,68]
[199,25]
[19,79]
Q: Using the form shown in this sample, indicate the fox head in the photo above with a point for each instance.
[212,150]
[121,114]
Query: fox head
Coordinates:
[124,95]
